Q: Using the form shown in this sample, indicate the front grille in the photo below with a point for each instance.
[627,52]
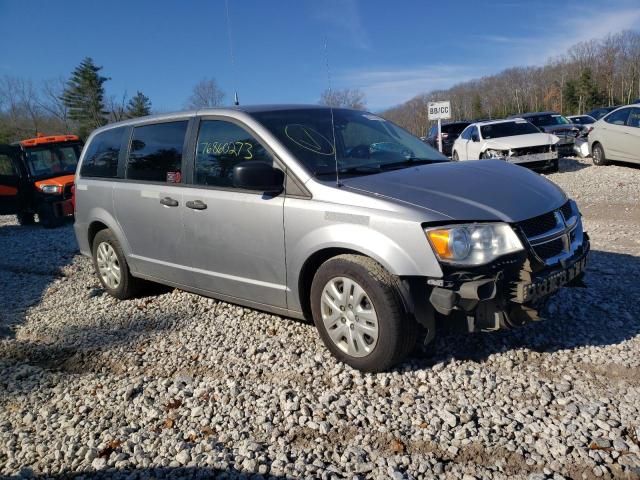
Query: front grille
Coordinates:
[538,225]
[66,192]
[518,152]
[549,249]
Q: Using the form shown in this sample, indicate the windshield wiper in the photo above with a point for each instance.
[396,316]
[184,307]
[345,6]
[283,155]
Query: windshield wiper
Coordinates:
[409,162]
[357,169]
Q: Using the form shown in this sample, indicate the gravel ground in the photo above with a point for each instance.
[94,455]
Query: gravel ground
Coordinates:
[179,385]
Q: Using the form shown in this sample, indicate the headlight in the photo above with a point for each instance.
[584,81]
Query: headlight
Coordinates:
[50,188]
[473,244]
[495,154]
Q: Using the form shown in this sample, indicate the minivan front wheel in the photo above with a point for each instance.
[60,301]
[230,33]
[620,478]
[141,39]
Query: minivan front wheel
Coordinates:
[359,313]
[111,266]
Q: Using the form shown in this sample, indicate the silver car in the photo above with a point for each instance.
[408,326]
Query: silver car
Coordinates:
[616,136]
[334,215]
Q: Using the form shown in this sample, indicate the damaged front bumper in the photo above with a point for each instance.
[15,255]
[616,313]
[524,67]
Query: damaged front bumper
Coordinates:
[508,293]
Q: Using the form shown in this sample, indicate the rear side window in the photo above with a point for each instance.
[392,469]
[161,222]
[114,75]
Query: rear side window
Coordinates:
[6,166]
[101,158]
[156,152]
[221,146]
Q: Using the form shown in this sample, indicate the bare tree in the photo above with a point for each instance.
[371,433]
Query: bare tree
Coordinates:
[348,97]
[206,94]
[51,102]
[117,108]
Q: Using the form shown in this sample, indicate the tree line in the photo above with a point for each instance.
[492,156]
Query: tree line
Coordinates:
[590,74]
[78,104]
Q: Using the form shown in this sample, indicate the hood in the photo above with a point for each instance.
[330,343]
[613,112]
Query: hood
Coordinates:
[60,181]
[519,141]
[467,191]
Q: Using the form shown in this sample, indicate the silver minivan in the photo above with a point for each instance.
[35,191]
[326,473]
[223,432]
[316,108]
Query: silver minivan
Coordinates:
[334,215]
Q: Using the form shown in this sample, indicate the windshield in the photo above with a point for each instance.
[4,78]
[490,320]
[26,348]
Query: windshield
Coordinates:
[547,120]
[507,129]
[364,143]
[52,160]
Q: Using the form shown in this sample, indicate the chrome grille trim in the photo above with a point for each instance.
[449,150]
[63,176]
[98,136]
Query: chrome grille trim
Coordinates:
[568,228]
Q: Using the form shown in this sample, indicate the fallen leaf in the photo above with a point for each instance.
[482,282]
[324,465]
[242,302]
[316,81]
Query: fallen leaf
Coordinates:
[423,425]
[168,423]
[173,404]
[207,431]
[397,446]
[110,448]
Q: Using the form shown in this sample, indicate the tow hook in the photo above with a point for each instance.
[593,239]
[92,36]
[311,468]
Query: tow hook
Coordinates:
[444,300]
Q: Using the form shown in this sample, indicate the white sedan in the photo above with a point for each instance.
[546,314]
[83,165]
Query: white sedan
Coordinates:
[514,140]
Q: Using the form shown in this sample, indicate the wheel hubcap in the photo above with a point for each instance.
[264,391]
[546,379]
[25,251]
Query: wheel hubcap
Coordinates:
[349,317]
[108,265]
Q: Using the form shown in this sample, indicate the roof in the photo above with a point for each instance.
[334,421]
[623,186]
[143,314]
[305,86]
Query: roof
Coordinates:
[501,120]
[532,114]
[215,110]
[42,140]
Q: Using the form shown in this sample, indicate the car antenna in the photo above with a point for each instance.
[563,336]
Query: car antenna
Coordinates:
[236,102]
[333,125]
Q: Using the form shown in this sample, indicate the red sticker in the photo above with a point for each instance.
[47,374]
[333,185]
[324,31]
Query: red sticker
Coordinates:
[174,177]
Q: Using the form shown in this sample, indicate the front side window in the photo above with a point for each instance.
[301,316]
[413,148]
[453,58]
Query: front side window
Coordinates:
[619,117]
[52,160]
[221,146]
[156,152]
[507,129]
[634,118]
[357,143]
[101,157]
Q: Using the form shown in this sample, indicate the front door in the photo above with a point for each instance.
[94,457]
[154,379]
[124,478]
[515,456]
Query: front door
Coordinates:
[235,237]
[9,180]
[149,204]
[614,134]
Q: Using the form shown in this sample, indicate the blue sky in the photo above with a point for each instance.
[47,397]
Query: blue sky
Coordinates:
[391,50]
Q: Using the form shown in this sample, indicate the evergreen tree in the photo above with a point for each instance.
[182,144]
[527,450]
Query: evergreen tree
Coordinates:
[84,97]
[139,106]
[476,107]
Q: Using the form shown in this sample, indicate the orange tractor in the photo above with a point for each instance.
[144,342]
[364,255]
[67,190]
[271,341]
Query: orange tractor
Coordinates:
[36,178]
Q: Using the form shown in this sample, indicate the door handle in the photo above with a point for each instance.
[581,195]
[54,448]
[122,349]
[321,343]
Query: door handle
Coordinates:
[169,202]
[196,205]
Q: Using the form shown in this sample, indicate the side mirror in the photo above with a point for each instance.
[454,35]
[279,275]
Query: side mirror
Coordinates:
[475,137]
[258,176]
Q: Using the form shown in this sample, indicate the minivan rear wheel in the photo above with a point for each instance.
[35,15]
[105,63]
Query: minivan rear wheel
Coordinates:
[455,157]
[598,155]
[111,266]
[359,313]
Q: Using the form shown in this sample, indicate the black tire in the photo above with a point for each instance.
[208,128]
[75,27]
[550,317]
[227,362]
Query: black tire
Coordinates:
[598,155]
[26,218]
[47,216]
[397,331]
[455,157]
[482,156]
[129,286]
